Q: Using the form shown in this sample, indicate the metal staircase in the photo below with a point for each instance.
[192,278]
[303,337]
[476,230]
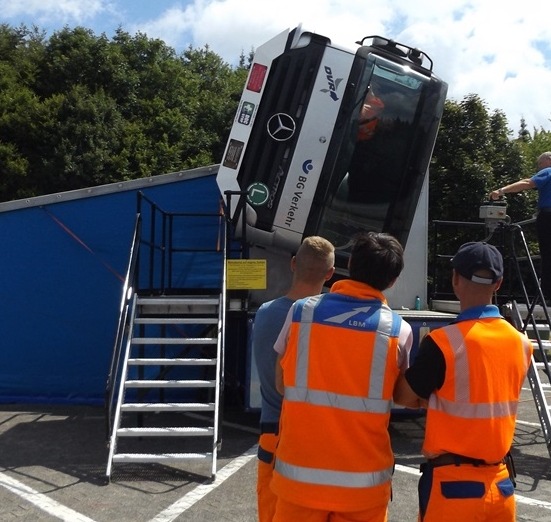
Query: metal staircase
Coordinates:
[532,317]
[153,383]
[165,386]
[538,372]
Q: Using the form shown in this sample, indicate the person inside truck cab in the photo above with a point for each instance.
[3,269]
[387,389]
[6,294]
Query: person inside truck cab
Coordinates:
[369,180]
[370,113]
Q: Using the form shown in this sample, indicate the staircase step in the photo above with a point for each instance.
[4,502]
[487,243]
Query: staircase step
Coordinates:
[166,432]
[157,361]
[174,340]
[176,320]
[179,305]
[189,300]
[159,383]
[545,347]
[168,406]
[159,457]
[538,313]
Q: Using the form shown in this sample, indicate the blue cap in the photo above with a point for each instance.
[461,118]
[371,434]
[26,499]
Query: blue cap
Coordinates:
[475,256]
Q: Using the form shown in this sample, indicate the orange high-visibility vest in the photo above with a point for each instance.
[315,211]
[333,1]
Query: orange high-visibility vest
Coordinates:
[369,117]
[474,412]
[339,369]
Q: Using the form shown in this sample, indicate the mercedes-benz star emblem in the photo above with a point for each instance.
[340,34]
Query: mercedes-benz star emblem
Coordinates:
[281,126]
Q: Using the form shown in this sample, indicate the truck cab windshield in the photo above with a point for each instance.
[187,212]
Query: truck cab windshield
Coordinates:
[374,167]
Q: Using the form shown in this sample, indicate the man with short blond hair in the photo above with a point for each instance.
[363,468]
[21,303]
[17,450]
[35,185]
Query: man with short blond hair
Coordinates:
[312,266]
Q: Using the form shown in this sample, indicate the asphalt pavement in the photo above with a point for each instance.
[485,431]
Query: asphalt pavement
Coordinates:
[53,461]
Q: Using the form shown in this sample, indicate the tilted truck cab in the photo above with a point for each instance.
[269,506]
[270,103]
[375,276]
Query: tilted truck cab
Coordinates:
[331,141]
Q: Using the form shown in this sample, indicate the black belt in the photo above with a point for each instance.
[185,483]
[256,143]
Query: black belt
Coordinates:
[269,427]
[451,459]
[265,455]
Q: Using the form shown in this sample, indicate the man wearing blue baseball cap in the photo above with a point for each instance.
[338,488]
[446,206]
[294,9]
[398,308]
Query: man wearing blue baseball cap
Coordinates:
[469,375]
[480,263]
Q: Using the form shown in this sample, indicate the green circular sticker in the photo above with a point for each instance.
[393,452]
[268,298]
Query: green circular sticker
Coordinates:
[257,194]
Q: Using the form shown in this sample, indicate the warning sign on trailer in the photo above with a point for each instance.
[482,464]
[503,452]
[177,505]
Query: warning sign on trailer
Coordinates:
[246,274]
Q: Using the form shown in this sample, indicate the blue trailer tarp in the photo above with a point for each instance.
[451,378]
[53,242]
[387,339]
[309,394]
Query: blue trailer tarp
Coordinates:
[64,259]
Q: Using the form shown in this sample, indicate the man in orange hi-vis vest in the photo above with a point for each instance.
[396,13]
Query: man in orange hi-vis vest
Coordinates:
[340,354]
[469,375]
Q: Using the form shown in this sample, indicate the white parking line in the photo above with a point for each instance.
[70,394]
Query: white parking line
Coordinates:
[41,501]
[176,509]
[526,423]
[66,514]
[519,498]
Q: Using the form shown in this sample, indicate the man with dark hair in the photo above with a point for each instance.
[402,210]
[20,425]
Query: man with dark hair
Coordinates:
[469,375]
[312,266]
[340,354]
[376,259]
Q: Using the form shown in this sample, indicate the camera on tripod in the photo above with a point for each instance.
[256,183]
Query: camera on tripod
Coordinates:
[493,213]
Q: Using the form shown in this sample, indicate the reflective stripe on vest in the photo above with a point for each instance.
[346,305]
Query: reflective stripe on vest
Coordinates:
[375,403]
[323,477]
[461,407]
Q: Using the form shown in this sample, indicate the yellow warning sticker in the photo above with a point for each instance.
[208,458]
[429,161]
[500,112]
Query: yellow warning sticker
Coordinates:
[246,274]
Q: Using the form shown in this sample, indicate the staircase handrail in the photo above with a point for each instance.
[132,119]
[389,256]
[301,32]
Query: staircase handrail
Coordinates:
[160,239]
[144,245]
[515,227]
[221,355]
[126,299]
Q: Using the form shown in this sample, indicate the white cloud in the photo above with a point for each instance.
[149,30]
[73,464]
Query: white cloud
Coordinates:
[172,26]
[47,11]
[478,46]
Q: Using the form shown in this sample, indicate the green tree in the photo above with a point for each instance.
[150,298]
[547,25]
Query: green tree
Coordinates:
[473,154]
[472,151]
[532,145]
[85,138]
[219,90]
[78,110]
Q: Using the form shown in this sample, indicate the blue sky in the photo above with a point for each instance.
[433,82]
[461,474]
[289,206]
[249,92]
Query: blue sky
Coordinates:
[499,51]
